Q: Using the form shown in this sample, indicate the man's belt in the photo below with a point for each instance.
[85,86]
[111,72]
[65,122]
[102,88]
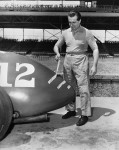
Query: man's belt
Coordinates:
[76,53]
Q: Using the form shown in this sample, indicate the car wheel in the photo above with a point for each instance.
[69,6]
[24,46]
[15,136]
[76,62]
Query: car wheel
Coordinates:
[6,112]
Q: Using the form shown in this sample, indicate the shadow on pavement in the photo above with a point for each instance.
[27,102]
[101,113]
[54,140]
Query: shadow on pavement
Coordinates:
[21,133]
[97,112]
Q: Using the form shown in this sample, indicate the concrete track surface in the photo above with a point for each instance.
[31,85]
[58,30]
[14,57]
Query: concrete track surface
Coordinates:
[100,133]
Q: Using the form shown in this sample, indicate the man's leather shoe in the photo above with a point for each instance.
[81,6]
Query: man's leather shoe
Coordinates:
[69,114]
[82,120]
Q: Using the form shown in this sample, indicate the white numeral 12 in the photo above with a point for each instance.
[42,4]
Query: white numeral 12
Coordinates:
[18,81]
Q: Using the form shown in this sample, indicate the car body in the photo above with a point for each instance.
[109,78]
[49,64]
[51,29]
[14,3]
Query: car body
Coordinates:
[25,92]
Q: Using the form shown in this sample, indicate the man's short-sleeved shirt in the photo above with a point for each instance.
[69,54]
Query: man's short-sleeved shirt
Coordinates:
[77,41]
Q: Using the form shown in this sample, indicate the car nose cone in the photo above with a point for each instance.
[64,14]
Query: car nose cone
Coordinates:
[27,83]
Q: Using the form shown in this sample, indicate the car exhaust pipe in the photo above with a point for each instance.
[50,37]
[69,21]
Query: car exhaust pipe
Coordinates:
[33,119]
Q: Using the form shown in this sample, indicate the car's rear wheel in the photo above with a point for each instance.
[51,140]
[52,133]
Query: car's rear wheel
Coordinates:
[6,113]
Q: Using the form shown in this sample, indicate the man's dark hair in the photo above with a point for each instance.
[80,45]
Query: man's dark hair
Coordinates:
[75,13]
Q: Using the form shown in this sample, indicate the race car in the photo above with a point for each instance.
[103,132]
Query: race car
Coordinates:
[27,91]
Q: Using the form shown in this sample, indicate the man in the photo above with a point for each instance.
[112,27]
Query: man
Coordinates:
[76,65]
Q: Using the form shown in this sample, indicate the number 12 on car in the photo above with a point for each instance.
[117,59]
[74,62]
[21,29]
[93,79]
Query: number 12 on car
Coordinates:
[18,81]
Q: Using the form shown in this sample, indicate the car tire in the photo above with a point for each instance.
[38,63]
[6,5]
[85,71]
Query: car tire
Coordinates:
[6,113]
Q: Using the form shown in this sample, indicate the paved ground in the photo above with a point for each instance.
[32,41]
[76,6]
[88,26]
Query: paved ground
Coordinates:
[100,133]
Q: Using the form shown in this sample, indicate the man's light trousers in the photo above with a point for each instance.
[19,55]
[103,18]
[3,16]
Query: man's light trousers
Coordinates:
[76,73]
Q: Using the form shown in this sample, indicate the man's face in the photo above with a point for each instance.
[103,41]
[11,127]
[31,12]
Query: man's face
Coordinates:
[73,22]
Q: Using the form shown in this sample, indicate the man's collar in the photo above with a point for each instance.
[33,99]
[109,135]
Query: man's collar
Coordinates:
[77,30]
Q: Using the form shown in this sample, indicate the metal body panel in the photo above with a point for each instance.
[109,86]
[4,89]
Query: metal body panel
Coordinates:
[26,82]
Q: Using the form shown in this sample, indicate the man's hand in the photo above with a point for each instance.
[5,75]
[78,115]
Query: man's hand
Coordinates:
[93,70]
[57,57]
